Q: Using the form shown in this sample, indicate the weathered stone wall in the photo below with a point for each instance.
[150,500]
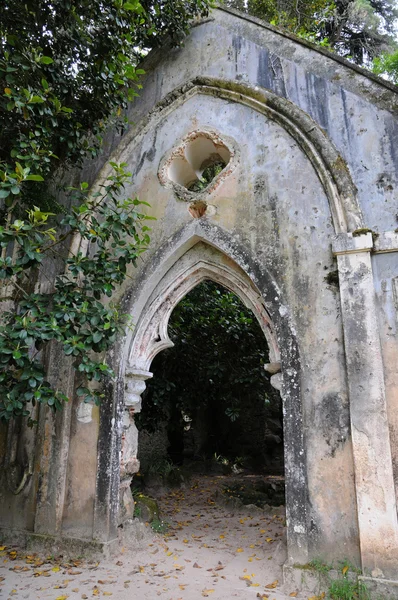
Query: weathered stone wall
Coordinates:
[312,146]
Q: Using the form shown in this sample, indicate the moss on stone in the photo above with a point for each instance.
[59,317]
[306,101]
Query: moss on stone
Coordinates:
[146,508]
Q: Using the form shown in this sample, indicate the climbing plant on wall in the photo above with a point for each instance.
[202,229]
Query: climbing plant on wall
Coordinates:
[67,70]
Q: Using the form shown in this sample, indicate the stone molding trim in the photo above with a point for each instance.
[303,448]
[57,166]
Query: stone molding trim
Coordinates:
[330,167]
[350,244]
[151,336]
[365,241]
[386,242]
[202,250]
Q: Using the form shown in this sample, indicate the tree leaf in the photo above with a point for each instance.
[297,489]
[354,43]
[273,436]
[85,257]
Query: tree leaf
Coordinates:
[34,178]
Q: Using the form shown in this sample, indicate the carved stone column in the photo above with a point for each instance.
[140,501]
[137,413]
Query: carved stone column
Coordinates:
[377,512]
[129,463]
[276,379]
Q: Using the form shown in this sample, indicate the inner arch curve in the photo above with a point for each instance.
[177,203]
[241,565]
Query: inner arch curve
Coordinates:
[151,336]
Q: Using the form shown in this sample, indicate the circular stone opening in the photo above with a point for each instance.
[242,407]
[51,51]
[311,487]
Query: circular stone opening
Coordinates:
[198,161]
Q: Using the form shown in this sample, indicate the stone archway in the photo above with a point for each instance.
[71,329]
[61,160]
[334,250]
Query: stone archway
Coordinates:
[203,261]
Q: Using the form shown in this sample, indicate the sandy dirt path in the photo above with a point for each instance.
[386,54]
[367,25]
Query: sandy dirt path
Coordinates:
[209,551]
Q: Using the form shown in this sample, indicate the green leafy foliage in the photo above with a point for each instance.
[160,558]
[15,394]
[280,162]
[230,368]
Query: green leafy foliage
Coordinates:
[387,65]
[73,313]
[67,72]
[209,173]
[66,69]
[217,361]
[345,589]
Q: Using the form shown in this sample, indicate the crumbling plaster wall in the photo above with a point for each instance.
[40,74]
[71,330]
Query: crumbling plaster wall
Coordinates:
[356,113]
[273,204]
[274,207]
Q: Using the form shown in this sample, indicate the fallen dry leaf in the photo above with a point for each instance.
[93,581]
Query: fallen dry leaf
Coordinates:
[293,594]
[272,586]
[206,593]
[196,566]
[72,572]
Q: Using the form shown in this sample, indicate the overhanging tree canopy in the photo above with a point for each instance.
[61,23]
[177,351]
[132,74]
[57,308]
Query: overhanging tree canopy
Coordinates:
[357,29]
[67,70]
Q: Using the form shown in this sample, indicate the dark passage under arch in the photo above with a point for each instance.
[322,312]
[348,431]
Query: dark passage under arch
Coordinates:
[210,405]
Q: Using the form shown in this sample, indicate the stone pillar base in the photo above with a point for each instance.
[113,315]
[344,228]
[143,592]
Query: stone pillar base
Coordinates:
[303,578]
[380,588]
[68,547]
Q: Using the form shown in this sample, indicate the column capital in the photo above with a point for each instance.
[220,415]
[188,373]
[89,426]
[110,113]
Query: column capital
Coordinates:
[134,387]
[352,243]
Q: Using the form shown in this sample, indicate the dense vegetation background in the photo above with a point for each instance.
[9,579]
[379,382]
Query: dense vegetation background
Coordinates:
[364,31]
[214,380]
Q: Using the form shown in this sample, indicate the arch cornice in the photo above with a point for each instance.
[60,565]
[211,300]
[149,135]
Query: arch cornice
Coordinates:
[151,335]
[242,266]
[326,160]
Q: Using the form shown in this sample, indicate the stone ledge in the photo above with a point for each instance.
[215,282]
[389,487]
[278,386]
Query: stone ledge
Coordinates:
[305,578]
[310,581]
[63,545]
[386,242]
[380,588]
[347,243]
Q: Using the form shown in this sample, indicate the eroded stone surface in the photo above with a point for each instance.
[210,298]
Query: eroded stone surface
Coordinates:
[312,146]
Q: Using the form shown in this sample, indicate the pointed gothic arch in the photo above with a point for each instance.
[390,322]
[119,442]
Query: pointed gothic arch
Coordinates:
[195,254]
